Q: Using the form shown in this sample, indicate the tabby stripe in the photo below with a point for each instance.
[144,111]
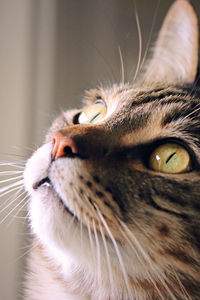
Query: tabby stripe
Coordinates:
[191,284]
[158,207]
[174,116]
[159,97]
[181,256]
[173,101]
[172,199]
[120,203]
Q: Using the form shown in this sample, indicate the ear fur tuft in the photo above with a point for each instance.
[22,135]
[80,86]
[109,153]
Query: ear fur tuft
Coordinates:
[175,57]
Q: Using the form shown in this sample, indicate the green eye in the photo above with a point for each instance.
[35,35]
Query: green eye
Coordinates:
[170,158]
[93,113]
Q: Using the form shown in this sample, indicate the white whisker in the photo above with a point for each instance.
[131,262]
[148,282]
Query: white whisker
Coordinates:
[23,218]
[150,35]
[98,252]
[117,252]
[90,238]
[81,232]
[4,173]
[140,44]
[11,211]
[143,263]
[190,114]
[148,260]
[11,202]
[14,184]
[19,210]
[12,196]
[71,224]
[12,165]
[11,190]
[26,252]
[122,65]
[11,179]
[25,233]
[107,258]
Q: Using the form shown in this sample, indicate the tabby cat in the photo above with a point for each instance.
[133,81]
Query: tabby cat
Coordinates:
[115,189]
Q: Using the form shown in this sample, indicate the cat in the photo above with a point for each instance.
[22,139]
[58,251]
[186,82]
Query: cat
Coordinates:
[115,189]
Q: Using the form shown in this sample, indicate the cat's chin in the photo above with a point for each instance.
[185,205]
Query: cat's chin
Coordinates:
[48,212]
[46,183]
[52,220]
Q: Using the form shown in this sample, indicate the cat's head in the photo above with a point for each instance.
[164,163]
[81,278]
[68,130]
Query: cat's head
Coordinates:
[115,189]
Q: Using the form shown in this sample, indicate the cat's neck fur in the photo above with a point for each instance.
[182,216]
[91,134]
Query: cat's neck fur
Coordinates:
[61,279]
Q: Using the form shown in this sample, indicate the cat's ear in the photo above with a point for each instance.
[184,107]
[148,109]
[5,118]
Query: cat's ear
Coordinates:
[175,56]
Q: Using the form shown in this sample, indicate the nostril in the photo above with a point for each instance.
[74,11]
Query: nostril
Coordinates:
[63,146]
[68,150]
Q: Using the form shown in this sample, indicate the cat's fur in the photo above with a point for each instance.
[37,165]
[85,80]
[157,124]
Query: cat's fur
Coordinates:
[108,227]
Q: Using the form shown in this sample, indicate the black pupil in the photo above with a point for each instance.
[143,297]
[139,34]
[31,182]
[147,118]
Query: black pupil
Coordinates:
[170,157]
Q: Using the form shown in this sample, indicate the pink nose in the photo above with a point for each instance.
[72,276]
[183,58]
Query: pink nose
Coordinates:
[63,145]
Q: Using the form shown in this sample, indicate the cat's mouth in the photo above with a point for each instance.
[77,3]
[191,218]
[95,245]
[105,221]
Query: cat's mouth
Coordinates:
[47,182]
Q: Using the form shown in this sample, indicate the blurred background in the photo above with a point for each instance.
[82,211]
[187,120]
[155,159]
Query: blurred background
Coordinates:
[50,52]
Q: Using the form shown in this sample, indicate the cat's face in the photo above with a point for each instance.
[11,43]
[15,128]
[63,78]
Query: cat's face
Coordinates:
[112,184]
[115,188]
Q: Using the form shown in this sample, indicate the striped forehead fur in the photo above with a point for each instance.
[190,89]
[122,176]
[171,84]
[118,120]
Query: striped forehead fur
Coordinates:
[164,106]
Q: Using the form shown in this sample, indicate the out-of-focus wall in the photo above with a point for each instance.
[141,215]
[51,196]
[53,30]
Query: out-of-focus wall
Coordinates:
[89,35]
[15,66]
[50,51]
[27,59]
